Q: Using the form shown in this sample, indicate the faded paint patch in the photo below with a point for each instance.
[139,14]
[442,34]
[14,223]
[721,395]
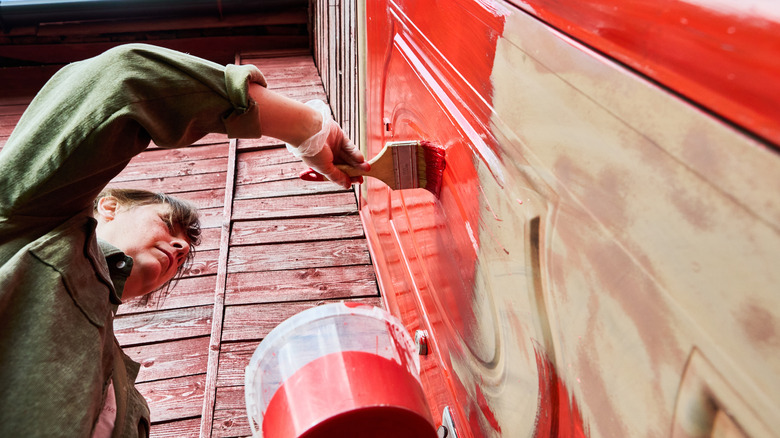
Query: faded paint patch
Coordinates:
[692,207]
[758,324]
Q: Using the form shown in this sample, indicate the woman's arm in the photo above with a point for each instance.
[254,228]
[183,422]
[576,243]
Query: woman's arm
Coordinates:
[320,141]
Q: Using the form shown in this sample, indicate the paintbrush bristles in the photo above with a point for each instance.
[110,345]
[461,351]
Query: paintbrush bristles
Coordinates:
[430,166]
[406,165]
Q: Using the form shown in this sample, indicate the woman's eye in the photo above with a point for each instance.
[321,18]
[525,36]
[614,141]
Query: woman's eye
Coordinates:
[167,223]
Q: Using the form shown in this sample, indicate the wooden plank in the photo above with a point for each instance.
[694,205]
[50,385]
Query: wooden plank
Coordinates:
[163,325]
[284,188]
[205,263]
[295,206]
[210,217]
[281,80]
[255,321]
[192,153]
[189,428]
[301,284]
[303,94]
[173,167]
[255,143]
[276,69]
[174,184]
[249,161]
[174,399]
[230,417]
[296,230]
[233,359]
[271,172]
[8,121]
[188,292]
[274,53]
[172,359]
[208,202]
[276,257]
[12,109]
[251,57]
[279,68]
[292,78]
[208,139]
[209,239]
[204,199]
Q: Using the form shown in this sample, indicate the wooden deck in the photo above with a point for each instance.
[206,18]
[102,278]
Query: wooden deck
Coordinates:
[272,246]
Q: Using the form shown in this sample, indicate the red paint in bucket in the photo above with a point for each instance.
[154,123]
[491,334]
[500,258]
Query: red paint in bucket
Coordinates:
[349,393]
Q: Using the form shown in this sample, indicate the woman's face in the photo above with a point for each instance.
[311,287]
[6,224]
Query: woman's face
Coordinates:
[157,247]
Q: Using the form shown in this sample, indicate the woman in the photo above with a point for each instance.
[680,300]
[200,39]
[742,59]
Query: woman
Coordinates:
[67,261]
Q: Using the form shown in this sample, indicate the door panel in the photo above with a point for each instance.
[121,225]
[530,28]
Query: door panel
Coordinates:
[592,229]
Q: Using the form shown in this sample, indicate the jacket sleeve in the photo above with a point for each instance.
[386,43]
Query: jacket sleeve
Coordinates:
[93,116]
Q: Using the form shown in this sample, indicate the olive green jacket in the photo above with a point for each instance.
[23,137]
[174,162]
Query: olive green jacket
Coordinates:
[58,288]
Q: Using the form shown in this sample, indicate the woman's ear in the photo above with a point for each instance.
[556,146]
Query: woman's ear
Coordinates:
[107,208]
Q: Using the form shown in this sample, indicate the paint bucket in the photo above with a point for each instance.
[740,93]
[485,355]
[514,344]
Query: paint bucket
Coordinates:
[337,370]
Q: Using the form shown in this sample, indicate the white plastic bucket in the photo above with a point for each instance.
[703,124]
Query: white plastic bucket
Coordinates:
[334,370]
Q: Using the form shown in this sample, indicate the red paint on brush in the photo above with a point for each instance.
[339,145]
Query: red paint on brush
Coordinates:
[434,166]
[557,415]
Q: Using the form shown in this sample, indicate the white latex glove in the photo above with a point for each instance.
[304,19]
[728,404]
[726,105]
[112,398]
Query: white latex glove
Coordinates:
[340,149]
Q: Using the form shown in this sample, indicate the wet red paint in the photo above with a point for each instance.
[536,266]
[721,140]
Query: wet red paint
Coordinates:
[558,414]
[349,394]
[442,259]
[721,55]
[434,166]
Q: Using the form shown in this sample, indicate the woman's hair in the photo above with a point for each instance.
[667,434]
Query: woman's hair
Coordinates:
[183,215]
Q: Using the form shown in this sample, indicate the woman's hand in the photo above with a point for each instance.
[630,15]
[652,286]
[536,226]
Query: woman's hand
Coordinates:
[336,148]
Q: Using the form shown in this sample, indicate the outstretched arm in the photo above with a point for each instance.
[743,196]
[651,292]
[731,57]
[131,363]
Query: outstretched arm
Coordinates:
[319,140]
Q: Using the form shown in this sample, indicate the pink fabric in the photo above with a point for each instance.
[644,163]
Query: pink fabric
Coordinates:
[105,423]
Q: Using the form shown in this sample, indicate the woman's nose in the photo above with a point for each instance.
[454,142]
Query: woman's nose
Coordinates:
[182,248]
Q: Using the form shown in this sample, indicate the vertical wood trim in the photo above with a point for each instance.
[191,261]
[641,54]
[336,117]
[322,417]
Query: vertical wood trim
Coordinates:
[360,122]
[339,27]
[218,313]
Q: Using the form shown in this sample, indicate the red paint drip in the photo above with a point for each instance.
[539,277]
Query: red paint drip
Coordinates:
[557,415]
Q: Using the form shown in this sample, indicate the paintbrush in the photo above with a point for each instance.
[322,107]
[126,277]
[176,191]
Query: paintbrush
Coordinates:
[400,165]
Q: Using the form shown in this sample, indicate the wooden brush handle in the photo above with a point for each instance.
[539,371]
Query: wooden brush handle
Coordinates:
[381,169]
[353,171]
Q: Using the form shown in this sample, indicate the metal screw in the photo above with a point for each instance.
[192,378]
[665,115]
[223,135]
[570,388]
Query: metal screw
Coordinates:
[421,341]
[442,432]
